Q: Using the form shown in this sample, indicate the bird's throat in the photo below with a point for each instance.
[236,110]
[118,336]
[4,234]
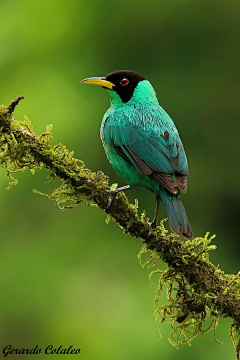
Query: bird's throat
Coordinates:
[144,92]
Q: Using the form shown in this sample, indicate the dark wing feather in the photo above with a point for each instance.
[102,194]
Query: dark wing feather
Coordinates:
[167,181]
[141,166]
[131,157]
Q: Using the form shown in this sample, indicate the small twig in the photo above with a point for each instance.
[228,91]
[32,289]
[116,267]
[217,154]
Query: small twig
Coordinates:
[14,103]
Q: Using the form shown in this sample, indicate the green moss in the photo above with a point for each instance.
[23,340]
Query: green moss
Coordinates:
[197,291]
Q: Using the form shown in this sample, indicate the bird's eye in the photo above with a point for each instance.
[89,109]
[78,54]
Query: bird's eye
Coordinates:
[124,81]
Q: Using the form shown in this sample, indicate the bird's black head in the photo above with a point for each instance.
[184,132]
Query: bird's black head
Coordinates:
[125,82]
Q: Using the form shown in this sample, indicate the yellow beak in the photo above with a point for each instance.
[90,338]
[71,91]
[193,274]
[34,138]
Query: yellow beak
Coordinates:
[100,81]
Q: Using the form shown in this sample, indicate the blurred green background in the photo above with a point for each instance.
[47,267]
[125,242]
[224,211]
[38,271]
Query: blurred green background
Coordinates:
[68,278]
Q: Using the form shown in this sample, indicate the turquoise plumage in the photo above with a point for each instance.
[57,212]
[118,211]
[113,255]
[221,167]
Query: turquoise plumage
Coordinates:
[143,144]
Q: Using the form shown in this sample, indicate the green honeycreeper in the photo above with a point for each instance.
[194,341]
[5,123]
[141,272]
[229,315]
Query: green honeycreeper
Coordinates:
[143,144]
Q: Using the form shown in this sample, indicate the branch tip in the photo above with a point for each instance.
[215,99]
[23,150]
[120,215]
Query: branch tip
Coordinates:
[13,104]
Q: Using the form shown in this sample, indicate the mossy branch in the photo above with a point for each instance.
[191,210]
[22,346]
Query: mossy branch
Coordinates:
[196,289]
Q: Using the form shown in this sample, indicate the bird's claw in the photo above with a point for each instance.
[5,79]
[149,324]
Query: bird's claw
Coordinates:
[151,226]
[112,195]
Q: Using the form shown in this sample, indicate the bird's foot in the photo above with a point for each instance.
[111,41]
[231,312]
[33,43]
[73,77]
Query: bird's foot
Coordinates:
[151,226]
[113,193]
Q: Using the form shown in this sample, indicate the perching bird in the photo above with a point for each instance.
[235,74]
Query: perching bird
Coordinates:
[143,145]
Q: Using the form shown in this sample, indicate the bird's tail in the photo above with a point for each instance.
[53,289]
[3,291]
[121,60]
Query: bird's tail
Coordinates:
[177,216]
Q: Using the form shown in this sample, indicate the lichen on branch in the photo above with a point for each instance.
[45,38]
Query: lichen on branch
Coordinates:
[196,289]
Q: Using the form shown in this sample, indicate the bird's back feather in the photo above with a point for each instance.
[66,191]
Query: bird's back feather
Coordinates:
[149,140]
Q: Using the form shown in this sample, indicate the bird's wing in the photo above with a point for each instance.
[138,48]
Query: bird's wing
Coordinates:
[159,155]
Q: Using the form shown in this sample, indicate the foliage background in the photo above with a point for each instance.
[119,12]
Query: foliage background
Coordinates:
[68,278]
